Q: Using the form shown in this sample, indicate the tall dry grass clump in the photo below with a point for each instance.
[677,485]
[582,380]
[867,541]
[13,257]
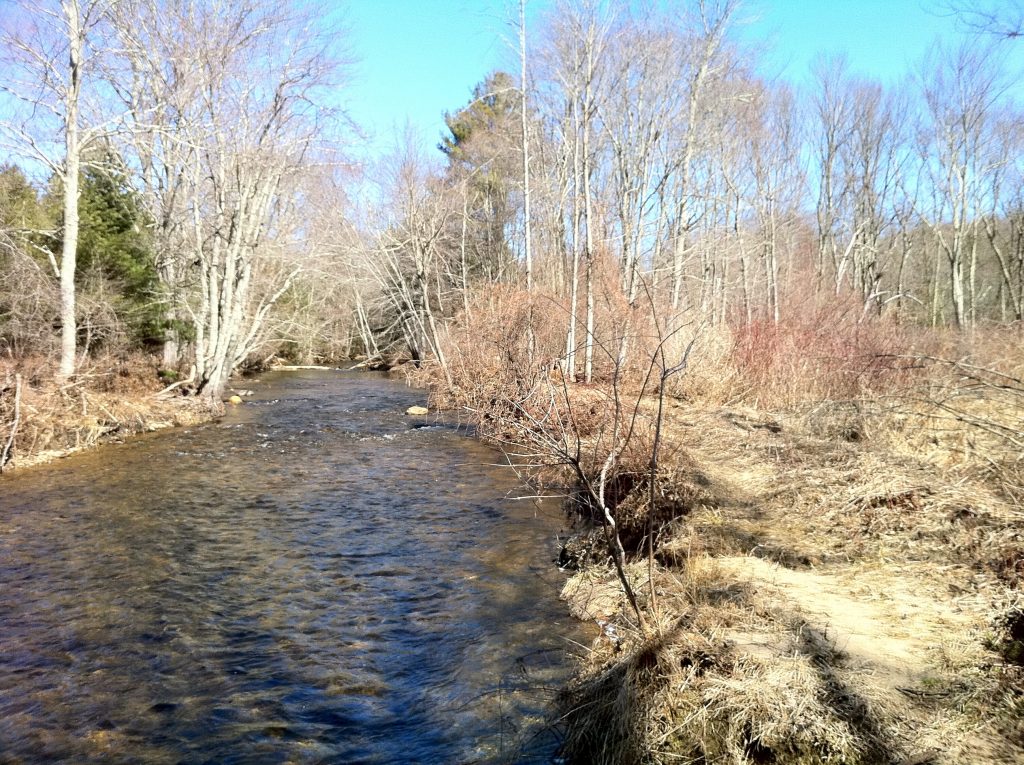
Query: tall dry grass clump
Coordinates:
[722,680]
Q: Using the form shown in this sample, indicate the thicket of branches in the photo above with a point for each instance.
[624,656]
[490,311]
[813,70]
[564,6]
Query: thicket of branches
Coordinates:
[182,156]
[659,158]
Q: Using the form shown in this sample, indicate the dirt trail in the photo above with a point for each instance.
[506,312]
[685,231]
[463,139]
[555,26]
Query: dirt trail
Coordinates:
[892,637]
[820,601]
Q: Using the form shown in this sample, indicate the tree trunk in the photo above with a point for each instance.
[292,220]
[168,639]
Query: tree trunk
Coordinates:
[570,339]
[72,161]
[527,251]
[588,351]
[588,211]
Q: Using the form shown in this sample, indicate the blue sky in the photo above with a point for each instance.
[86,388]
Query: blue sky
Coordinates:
[419,58]
[884,39]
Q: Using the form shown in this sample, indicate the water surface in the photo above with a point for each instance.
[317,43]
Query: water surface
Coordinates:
[317,578]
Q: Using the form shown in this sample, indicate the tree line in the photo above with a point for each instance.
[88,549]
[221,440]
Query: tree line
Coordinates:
[183,145]
[195,199]
[665,175]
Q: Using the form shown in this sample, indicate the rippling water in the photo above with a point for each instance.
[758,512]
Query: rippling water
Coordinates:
[316,578]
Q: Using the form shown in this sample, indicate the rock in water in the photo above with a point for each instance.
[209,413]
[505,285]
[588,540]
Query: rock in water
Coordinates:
[417,410]
[236,400]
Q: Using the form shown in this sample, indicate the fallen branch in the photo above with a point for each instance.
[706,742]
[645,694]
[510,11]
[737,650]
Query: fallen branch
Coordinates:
[174,385]
[5,455]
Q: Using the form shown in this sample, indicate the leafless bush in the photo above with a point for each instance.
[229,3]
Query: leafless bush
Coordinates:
[29,304]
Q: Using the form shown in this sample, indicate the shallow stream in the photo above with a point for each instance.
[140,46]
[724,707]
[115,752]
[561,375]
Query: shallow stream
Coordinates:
[315,578]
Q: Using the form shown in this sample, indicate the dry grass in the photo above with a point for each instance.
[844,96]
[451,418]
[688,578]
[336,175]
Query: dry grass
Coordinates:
[742,670]
[702,691]
[885,551]
[110,399]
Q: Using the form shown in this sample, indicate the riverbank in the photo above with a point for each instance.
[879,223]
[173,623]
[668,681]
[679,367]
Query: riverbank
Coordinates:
[815,600]
[41,421]
[826,564]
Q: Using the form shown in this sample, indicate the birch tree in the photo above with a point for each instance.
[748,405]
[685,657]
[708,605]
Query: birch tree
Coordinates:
[52,52]
[960,90]
[581,36]
[525,139]
[226,102]
[637,112]
[1004,225]
[159,83]
[705,62]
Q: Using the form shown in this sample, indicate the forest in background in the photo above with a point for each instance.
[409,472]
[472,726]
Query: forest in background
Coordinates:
[650,172]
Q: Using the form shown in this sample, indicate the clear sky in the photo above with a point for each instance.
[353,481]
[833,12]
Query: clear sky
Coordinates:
[884,39]
[419,58]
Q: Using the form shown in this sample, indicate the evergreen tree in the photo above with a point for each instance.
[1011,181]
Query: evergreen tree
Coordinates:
[483,152]
[114,252]
[20,210]
[29,309]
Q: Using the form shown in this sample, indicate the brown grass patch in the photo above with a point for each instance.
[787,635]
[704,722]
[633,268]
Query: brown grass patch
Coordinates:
[879,465]
[110,399]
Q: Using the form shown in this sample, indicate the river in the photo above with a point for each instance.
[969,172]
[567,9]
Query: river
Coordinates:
[315,578]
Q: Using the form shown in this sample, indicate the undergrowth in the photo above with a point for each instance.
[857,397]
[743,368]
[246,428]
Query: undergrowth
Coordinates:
[111,398]
[846,446]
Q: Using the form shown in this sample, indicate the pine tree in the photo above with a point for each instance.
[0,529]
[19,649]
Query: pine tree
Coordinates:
[114,253]
[483,152]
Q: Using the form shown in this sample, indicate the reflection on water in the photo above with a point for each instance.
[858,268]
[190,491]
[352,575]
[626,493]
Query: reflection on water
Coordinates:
[313,579]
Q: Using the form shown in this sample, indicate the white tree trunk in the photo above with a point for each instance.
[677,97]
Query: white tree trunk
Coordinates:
[72,161]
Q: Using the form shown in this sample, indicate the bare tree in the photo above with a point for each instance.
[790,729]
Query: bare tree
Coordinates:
[706,63]
[776,180]
[159,82]
[636,108]
[52,54]
[875,155]
[999,18]
[832,127]
[1004,225]
[582,36]
[407,258]
[524,114]
[960,88]
[226,105]
[860,151]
